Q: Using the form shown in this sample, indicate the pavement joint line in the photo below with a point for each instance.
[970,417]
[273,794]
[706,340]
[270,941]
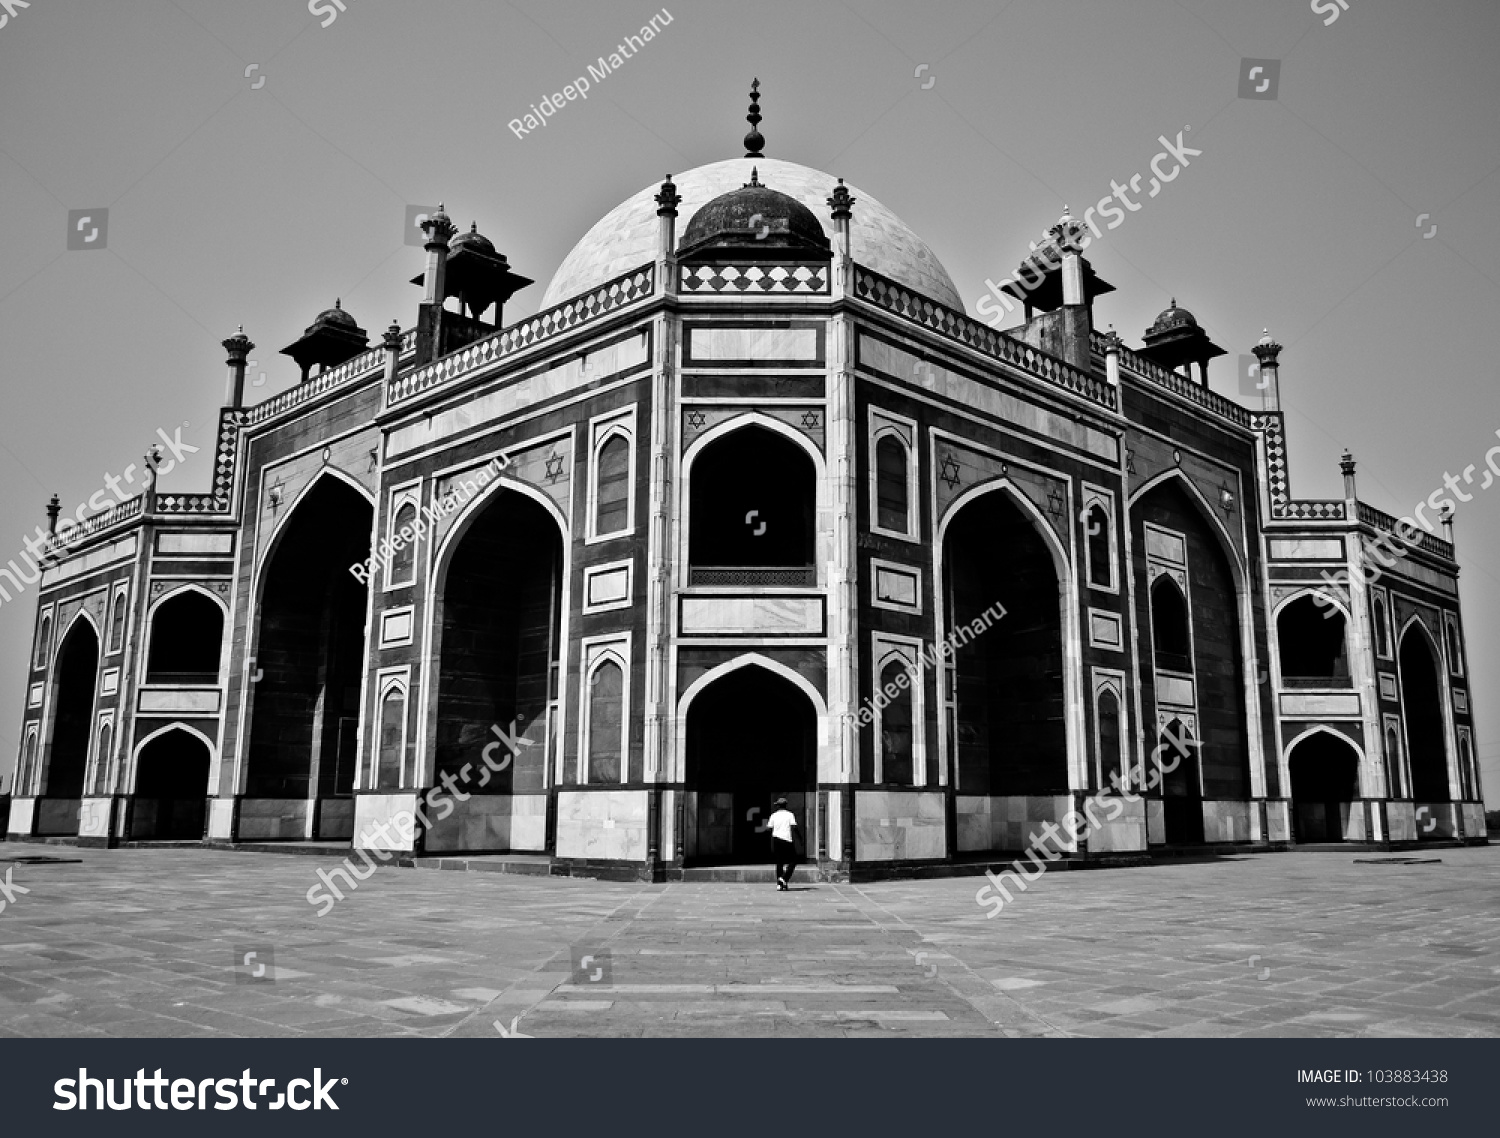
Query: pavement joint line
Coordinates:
[1005,996]
[565,977]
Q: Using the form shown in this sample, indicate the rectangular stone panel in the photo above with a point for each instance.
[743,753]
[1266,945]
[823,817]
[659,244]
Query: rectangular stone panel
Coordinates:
[199,700]
[1307,549]
[751,616]
[169,544]
[1309,705]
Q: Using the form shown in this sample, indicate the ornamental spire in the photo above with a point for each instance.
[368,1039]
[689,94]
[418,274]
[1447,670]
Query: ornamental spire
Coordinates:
[754,142]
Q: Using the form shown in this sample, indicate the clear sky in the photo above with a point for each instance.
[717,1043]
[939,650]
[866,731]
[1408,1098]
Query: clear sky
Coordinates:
[236,201]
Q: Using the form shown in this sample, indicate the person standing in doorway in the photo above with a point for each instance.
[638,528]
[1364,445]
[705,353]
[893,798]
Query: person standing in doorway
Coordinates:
[782,823]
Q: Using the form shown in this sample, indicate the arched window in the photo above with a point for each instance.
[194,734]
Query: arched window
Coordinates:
[892,505]
[1169,626]
[1382,633]
[753,511]
[1311,640]
[117,623]
[22,782]
[404,560]
[606,708]
[1111,753]
[1455,649]
[101,762]
[1393,788]
[612,486]
[43,641]
[1101,564]
[392,738]
[1468,779]
[896,725]
[186,630]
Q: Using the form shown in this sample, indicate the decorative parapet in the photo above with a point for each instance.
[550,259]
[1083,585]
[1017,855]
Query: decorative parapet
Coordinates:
[1194,392]
[608,297]
[755,278]
[1278,482]
[120,512]
[1384,523]
[360,367]
[887,294]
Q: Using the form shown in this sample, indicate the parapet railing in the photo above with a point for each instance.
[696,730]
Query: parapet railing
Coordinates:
[887,294]
[1384,522]
[1164,377]
[583,309]
[361,366]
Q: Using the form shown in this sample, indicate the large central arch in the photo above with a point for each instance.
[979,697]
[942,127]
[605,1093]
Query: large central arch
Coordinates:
[1421,701]
[498,619]
[1203,678]
[67,754]
[309,652]
[751,736]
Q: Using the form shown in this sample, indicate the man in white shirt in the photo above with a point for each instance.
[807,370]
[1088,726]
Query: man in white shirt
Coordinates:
[781,824]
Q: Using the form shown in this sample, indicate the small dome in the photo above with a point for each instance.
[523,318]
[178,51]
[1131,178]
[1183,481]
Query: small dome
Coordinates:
[471,240]
[336,315]
[754,214]
[1172,317]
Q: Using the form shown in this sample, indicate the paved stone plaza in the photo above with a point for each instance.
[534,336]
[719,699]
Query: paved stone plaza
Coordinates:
[145,942]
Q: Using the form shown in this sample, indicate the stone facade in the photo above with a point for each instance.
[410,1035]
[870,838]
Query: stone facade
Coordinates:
[703,532]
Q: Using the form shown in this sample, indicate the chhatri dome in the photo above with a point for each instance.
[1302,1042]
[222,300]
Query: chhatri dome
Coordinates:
[626,237]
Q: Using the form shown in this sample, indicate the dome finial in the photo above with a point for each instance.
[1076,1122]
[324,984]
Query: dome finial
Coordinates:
[754,142]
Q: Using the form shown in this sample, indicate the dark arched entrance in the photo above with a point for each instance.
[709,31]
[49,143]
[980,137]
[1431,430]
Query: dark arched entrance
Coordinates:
[72,728]
[1325,783]
[1005,706]
[752,737]
[500,620]
[310,654]
[171,788]
[1200,674]
[1426,736]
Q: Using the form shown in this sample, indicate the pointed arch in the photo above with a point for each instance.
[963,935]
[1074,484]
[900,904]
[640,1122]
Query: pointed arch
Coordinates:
[430,742]
[1226,539]
[1248,702]
[1074,730]
[273,540]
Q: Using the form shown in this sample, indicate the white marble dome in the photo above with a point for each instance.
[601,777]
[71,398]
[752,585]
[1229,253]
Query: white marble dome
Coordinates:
[625,238]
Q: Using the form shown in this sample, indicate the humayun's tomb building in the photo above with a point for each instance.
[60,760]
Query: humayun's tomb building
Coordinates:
[690,538]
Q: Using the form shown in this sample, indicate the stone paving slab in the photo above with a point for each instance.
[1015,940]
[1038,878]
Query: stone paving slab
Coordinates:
[142,942]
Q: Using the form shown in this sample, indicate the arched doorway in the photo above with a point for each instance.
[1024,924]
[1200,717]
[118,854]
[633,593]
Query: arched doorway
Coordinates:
[1005,706]
[1185,575]
[499,615]
[752,511]
[1325,783]
[310,652]
[171,787]
[1181,791]
[752,737]
[72,730]
[1421,702]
